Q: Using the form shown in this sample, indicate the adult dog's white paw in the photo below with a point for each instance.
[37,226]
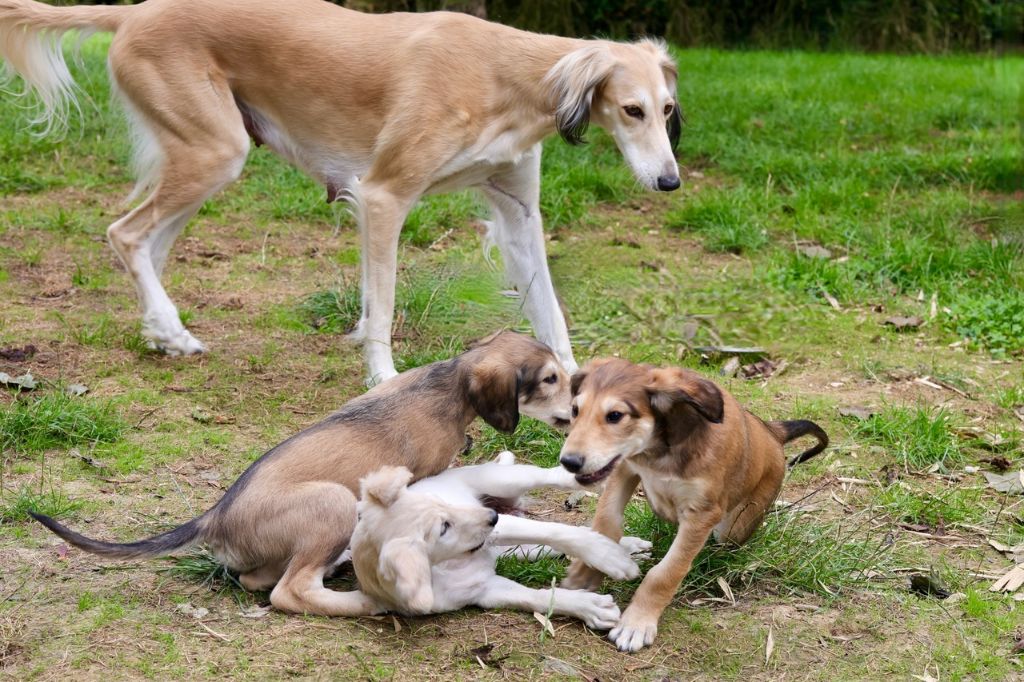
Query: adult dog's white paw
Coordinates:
[174,345]
[598,611]
[637,547]
[611,558]
[633,632]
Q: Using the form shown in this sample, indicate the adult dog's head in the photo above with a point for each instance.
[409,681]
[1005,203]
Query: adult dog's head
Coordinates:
[509,373]
[401,534]
[629,89]
[620,409]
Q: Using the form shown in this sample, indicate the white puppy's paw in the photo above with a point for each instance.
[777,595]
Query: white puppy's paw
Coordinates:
[633,632]
[610,558]
[505,458]
[598,611]
[637,547]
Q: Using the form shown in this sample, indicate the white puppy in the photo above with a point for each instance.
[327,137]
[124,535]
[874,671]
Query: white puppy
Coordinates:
[432,547]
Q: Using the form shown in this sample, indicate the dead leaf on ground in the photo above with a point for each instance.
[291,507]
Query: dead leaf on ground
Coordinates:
[726,590]
[77,389]
[255,611]
[25,382]
[763,369]
[858,412]
[1011,580]
[999,463]
[14,354]
[201,415]
[1012,482]
[189,610]
[545,623]
[1015,553]
[900,323]
[731,367]
[815,251]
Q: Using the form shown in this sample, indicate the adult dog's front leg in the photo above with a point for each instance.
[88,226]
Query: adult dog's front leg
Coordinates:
[605,555]
[515,197]
[381,213]
[639,623]
[598,611]
[608,521]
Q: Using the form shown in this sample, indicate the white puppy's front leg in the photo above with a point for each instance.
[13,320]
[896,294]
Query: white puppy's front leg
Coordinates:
[598,611]
[594,549]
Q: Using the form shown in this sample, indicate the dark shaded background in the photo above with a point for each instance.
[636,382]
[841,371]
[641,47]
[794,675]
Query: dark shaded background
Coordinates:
[871,25]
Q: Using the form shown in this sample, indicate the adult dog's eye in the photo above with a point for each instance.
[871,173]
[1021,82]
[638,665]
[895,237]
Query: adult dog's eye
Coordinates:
[553,379]
[634,111]
[445,526]
[575,411]
[668,109]
[613,417]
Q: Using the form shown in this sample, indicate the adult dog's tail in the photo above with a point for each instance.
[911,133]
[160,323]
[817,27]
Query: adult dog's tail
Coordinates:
[30,46]
[791,430]
[158,545]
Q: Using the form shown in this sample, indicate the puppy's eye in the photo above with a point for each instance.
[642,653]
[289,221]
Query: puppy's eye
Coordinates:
[613,417]
[668,109]
[445,526]
[634,111]
[575,411]
[553,379]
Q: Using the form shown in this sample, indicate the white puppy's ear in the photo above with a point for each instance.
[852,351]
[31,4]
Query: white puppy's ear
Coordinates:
[405,566]
[385,485]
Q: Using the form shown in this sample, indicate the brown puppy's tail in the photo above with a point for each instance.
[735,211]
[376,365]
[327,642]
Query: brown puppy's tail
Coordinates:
[791,430]
[165,543]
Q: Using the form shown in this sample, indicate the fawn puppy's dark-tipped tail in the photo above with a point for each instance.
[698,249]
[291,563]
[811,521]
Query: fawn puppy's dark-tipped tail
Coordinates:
[158,545]
[791,430]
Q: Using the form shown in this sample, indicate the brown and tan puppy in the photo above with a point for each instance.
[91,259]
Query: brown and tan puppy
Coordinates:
[706,464]
[287,519]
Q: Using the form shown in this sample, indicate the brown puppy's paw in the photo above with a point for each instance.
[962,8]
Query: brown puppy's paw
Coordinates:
[582,577]
[635,630]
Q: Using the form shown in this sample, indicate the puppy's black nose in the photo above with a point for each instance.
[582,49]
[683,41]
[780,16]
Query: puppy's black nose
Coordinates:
[572,462]
[667,183]
[494,518]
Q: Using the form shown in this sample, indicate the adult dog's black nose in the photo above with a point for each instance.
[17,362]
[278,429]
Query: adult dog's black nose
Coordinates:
[572,462]
[494,518]
[667,183]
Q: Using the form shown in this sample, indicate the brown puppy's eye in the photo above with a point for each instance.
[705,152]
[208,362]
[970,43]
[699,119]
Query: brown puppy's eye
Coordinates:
[553,379]
[613,417]
[668,109]
[634,111]
[575,411]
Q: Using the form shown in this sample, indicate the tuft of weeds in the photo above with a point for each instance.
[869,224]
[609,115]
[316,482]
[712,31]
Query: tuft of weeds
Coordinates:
[934,509]
[335,311]
[200,566]
[533,442]
[53,503]
[916,437]
[533,572]
[994,321]
[58,420]
[791,553]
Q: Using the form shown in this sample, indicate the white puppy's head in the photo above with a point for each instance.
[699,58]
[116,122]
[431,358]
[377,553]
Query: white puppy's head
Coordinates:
[629,89]
[401,534]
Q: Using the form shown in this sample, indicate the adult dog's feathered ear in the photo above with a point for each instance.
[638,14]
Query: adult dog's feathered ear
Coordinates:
[572,82]
[493,392]
[384,485]
[668,388]
[674,124]
[404,567]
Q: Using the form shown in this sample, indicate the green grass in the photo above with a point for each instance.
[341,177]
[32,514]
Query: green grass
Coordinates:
[915,437]
[14,507]
[933,509]
[57,420]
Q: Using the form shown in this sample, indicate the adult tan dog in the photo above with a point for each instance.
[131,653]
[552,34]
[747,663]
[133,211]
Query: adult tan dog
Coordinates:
[381,109]
[287,519]
[706,464]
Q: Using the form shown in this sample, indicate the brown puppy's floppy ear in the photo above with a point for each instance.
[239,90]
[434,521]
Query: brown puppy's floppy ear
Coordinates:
[384,485]
[670,387]
[572,82]
[493,392]
[404,566]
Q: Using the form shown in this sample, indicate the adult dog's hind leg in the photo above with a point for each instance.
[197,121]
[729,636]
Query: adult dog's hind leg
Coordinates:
[515,197]
[203,146]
